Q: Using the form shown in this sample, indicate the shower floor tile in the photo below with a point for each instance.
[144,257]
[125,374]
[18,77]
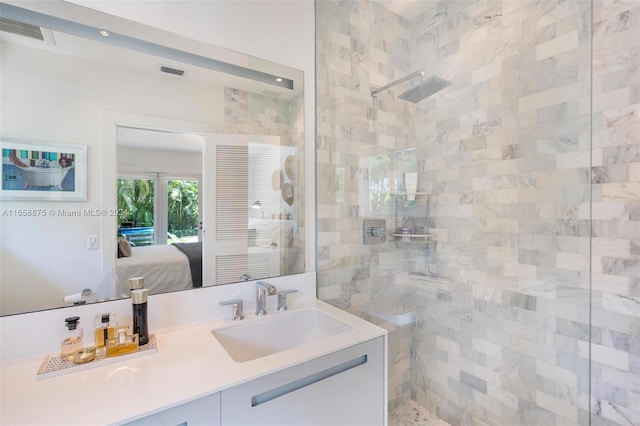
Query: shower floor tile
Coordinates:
[412,414]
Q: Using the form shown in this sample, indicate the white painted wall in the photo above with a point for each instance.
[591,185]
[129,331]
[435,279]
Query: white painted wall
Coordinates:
[171,163]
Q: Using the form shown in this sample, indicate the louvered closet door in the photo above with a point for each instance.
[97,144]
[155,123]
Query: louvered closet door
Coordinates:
[226,215]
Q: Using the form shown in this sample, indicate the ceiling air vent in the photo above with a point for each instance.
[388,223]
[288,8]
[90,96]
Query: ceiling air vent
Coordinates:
[20,28]
[173,71]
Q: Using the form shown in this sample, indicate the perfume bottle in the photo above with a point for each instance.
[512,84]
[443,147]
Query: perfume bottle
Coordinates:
[123,343]
[140,325]
[71,337]
[105,328]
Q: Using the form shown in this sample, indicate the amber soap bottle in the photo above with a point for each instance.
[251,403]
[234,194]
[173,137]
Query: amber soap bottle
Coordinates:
[105,328]
[123,343]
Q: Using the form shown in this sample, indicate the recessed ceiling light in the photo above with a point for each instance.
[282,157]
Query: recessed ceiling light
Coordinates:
[104,33]
[278,79]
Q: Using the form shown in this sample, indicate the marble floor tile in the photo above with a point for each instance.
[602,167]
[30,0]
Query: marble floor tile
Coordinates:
[412,414]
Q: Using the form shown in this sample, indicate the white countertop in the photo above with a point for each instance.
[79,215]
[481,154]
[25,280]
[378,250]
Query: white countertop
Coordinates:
[190,363]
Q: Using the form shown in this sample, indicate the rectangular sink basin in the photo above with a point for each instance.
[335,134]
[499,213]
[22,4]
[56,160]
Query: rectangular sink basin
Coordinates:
[246,341]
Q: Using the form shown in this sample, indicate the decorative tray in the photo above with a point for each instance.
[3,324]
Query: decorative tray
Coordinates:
[53,366]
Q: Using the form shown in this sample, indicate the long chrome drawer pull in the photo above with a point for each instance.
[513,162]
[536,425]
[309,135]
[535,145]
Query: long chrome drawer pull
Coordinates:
[306,381]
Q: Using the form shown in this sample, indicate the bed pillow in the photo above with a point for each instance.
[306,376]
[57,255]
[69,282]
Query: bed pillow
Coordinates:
[124,248]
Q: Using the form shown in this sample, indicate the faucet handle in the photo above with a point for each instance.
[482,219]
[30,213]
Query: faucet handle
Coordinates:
[282,299]
[237,304]
[269,289]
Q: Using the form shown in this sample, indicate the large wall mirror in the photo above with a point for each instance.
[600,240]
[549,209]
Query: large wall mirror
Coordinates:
[176,161]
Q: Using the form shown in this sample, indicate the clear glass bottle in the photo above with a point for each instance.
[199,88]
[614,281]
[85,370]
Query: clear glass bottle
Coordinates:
[71,337]
[88,351]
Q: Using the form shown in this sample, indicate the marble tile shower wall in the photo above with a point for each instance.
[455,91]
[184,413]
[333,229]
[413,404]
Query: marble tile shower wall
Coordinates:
[360,45]
[535,205]
[506,152]
[615,260]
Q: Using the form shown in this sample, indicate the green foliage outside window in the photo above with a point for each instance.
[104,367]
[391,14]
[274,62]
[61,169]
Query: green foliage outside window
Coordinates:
[135,197]
[379,187]
[183,208]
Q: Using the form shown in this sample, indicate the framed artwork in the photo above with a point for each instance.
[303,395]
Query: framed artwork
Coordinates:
[43,171]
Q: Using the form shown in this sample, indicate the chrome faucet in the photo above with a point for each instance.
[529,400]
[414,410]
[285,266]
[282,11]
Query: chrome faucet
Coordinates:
[264,289]
[246,277]
[237,304]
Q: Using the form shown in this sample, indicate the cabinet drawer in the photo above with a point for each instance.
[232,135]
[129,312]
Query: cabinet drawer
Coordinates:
[342,388]
[203,411]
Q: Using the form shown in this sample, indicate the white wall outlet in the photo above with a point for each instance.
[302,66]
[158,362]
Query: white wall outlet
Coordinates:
[92,242]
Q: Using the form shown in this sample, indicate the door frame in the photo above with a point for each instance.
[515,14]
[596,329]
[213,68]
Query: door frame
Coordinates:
[111,120]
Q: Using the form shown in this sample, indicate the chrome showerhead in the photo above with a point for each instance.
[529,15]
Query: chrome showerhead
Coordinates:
[425,88]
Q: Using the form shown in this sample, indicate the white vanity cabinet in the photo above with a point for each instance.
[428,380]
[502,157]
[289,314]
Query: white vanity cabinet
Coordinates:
[343,388]
[203,411]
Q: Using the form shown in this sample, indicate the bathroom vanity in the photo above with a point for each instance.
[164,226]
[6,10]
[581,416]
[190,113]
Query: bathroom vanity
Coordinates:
[342,388]
[334,374]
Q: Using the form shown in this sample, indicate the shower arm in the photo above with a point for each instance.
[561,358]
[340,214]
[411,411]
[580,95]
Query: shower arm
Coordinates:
[374,92]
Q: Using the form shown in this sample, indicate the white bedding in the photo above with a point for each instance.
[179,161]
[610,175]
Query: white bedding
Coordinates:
[164,268]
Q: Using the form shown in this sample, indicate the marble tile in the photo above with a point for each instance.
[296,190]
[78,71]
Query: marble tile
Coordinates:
[530,192]
[412,414]
[557,45]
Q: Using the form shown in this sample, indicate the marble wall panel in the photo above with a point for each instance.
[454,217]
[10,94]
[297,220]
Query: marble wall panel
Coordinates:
[532,161]
[615,261]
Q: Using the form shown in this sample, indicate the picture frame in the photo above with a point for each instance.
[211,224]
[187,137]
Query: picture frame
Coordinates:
[43,171]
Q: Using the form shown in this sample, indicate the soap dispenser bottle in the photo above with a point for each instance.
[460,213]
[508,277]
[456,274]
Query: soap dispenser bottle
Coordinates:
[140,325]
[71,337]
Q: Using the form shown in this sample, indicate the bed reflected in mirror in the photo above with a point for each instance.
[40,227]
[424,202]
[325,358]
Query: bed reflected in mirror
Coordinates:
[159,228]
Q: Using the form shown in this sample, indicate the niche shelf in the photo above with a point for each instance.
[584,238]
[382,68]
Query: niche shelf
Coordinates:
[413,238]
[404,194]
[408,213]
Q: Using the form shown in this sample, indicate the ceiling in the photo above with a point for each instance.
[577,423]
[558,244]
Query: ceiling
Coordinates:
[137,61]
[127,52]
[408,9]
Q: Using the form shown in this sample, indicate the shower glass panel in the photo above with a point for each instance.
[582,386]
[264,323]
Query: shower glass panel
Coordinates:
[503,335]
[521,304]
